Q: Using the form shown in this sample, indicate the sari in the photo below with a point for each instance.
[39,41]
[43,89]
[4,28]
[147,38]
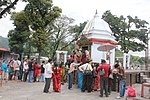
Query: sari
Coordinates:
[57,79]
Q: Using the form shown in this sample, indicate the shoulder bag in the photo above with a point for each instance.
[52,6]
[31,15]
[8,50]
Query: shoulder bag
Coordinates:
[87,72]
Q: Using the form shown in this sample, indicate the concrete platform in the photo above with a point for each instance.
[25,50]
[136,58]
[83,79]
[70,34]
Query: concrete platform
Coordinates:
[33,91]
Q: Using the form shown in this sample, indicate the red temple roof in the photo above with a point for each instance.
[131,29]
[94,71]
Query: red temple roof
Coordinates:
[4,49]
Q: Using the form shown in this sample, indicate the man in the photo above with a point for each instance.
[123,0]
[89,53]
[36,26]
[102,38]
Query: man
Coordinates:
[30,71]
[25,69]
[17,64]
[104,78]
[48,75]
[87,79]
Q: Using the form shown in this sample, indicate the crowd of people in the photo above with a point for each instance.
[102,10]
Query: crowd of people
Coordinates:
[79,69]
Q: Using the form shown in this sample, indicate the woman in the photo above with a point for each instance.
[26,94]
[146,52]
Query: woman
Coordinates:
[80,79]
[62,66]
[95,80]
[122,81]
[36,71]
[56,78]
[110,81]
[71,73]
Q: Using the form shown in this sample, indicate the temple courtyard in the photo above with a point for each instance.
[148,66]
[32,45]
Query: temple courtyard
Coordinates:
[13,90]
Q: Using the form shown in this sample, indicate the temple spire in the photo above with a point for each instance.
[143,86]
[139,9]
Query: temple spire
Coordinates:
[96,12]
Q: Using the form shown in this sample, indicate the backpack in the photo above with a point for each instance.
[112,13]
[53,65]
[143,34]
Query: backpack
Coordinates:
[102,71]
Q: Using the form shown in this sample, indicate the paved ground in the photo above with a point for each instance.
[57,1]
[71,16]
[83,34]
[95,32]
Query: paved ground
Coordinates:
[33,91]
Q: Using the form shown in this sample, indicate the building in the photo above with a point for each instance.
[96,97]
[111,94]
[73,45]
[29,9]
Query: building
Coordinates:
[4,53]
[96,34]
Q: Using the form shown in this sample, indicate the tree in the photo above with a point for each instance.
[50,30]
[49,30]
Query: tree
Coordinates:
[33,25]
[41,14]
[127,30]
[6,6]
[64,34]
[20,35]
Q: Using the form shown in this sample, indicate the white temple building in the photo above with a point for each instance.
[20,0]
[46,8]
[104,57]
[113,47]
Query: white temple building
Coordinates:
[98,32]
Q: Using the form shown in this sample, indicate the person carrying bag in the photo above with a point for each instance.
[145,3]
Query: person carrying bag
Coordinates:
[87,76]
[103,70]
[87,72]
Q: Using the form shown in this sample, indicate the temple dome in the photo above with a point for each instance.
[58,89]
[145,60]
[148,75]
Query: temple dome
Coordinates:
[97,25]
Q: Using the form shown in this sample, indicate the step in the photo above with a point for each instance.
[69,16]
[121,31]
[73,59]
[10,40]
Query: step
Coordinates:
[144,77]
[147,79]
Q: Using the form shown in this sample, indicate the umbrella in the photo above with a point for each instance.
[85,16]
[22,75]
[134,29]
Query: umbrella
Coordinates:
[106,47]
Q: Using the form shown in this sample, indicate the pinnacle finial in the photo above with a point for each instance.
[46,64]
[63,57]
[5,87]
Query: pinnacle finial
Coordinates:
[96,12]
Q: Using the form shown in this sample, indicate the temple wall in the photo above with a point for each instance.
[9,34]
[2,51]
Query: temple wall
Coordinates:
[96,55]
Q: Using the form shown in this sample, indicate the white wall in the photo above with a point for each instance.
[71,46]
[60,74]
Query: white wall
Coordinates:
[96,55]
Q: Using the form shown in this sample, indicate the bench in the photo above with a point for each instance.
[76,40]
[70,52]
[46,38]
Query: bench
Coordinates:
[142,89]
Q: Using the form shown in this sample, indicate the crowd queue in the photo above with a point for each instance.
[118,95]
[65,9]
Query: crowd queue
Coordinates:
[79,69]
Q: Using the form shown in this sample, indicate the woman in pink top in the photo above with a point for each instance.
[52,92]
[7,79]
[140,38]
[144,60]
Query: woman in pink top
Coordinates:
[70,73]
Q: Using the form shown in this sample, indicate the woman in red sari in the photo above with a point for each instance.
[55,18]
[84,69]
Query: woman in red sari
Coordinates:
[36,70]
[56,78]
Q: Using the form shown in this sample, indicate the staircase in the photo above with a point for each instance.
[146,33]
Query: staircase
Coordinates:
[145,78]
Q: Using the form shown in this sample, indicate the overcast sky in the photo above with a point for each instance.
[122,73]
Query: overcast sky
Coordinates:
[83,10]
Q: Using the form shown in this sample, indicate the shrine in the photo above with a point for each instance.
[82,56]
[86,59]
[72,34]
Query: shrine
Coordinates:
[94,36]
[61,56]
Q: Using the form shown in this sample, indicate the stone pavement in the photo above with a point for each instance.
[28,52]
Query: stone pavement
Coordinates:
[33,91]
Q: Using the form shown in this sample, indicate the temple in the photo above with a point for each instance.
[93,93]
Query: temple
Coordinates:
[95,34]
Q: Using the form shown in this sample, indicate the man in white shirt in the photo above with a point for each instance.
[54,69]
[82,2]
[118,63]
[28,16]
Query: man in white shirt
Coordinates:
[48,75]
[17,64]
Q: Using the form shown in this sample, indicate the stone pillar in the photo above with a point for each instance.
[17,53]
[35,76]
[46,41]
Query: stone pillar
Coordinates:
[112,58]
[58,56]
[128,60]
[124,60]
[65,58]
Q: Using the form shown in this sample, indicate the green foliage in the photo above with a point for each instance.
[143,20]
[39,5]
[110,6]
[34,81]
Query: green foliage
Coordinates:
[33,26]
[118,53]
[135,60]
[64,35]
[127,31]
[20,35]
[41,15]
[41,28]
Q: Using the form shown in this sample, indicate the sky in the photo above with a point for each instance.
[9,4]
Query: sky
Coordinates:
[84,10]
